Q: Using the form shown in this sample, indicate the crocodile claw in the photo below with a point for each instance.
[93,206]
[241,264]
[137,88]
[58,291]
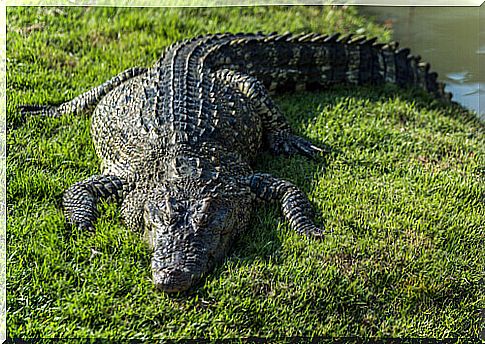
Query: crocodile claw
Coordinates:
[306,148]
[82,226]
[288,144]
[78,228]
[314,232]
[86,226]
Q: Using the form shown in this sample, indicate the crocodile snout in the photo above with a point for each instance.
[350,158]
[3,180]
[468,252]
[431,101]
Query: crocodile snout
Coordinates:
[172,280]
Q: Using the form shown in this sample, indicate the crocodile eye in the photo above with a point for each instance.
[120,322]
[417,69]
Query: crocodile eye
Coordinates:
[201,219]
[161,214]
[152,215]
[169,216]
[167,220]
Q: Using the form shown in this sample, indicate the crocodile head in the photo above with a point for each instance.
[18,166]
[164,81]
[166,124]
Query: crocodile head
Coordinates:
[188,234]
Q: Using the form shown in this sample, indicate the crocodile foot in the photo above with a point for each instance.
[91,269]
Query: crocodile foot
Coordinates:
[289,144]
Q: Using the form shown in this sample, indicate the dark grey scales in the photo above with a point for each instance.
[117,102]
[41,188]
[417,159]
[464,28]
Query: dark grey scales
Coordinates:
[177,140]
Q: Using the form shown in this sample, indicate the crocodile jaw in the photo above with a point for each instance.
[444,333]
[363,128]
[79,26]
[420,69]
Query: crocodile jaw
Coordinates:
[172,280]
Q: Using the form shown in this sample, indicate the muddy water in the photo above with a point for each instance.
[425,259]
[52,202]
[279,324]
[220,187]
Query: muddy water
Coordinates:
[452,39]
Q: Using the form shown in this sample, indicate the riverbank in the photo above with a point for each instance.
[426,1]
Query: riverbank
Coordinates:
[451,39]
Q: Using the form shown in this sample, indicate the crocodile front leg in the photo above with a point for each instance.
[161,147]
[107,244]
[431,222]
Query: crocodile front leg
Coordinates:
[295,205]
[80,200]
[278,133]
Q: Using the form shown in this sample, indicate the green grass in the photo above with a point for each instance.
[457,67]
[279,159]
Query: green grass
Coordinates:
[403,192]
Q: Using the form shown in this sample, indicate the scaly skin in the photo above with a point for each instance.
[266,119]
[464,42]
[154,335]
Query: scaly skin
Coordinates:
[177,140]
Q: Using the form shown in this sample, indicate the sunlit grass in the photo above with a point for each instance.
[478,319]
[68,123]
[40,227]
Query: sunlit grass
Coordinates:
[403,193]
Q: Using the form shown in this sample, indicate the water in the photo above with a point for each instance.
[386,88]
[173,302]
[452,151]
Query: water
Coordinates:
[451,39]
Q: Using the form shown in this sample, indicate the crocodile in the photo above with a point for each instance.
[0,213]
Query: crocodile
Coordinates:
[177,140]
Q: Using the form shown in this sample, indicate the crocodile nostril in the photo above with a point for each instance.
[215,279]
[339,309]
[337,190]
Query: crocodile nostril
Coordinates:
[172,280]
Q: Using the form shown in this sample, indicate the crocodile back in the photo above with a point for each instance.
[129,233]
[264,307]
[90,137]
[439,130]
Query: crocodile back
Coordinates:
[296,62]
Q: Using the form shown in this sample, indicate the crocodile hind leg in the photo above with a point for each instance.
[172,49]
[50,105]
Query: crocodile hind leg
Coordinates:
[278,133]
[80,200]
[295,205]
[85,100]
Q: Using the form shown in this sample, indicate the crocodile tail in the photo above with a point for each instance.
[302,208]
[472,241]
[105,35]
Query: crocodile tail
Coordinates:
[310,61]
